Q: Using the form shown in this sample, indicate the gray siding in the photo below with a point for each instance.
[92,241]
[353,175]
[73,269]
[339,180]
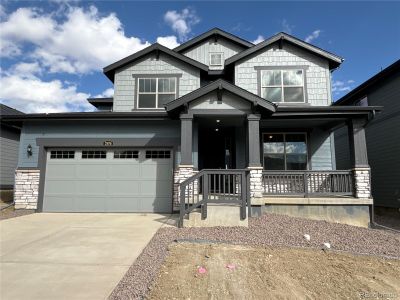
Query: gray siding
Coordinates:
[317,75]
[124,86]
[9,142]
[383,142]
[133,129]
[321,150]
[202,52]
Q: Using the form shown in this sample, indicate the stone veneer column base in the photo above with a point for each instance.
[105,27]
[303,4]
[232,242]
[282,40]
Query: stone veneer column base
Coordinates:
[256,182]
[362,182]
[26,189]
[182,173]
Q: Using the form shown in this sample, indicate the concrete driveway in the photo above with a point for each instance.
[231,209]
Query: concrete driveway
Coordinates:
[71,256]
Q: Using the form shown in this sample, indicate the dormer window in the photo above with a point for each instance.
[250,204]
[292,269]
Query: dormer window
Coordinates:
[216,59]
[283,85]
[155,92]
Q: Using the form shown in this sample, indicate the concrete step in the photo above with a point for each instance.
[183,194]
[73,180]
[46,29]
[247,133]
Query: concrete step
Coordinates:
[217,215]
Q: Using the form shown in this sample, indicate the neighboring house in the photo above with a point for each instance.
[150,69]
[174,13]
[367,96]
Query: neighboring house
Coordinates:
[215,119]
[382,134]
[9,144]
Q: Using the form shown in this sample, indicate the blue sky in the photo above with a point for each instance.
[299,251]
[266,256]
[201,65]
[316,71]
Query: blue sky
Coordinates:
[53,52]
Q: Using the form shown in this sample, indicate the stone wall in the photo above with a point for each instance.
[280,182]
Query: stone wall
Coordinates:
[362,182]
[180,174]
[26,188]
[256,184]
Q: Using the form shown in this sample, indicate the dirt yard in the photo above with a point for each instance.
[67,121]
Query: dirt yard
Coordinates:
[243,272]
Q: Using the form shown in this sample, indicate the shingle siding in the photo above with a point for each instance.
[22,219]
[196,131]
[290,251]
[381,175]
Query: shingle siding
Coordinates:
[317,73]
[124,86]
[202,51]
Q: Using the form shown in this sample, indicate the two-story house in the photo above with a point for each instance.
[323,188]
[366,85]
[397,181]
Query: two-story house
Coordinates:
[216,119]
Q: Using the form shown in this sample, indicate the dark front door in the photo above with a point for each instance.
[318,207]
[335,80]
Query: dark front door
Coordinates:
[217,148]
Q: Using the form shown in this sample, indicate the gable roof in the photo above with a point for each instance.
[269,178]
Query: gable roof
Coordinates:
[109,71]
[220,84]
[8,111]
[360,91]
[334,60]
[211,33]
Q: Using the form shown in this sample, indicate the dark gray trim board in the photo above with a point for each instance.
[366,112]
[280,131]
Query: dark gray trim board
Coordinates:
[109,71]
[99,142]
[220,85]
[304,68]
[334,60]
[144,75]
[6,187]
[215,32]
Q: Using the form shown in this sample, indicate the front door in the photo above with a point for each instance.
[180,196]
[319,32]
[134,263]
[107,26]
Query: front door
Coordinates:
[217,148]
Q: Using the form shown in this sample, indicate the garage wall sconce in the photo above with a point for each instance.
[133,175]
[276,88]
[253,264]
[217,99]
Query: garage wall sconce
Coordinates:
[29,150]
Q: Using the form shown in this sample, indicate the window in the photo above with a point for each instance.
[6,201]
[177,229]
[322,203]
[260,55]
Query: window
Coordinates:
[126,154]
[91,154]
[155,92]
[62,154]
[216,59]
[283,85]
[158,154]
[285,151]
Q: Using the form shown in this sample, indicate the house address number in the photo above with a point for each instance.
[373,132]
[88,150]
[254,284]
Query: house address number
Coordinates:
[108,143]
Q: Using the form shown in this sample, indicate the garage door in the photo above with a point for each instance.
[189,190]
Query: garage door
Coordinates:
[97,180]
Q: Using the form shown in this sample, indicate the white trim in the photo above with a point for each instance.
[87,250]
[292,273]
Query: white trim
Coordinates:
[222,59]
[282,86]
[152,93]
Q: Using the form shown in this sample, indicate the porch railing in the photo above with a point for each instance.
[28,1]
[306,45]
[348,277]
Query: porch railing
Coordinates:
[308,183]
[214,186]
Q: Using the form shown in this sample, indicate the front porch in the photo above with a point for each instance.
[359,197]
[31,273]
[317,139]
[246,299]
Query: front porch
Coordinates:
[237,150]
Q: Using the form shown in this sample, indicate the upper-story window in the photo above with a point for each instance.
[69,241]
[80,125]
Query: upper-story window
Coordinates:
[283,85]
[155,92]
[216,59]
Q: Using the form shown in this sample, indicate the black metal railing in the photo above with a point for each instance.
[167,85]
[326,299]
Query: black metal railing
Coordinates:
[214,186]
[308,183]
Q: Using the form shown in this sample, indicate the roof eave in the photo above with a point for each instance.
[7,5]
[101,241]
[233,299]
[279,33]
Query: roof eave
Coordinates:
[334,60]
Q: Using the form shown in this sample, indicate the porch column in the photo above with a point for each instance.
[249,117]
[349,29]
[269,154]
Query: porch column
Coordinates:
[359,158]
[254,140]
[185,168]
[186,139]
[255,167]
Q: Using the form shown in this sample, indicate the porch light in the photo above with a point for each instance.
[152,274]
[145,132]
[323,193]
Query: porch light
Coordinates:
[218,121]
[29,150]
[216,129]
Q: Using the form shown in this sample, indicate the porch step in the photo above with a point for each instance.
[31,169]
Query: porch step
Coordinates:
[217,215]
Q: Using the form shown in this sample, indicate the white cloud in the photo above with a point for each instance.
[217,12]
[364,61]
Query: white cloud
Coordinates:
[168,41]
[25,70]
[106,93]
[258,40]
[84,41]
[314,35]
[286,26]
[182,22]
[339,87]
[32,95]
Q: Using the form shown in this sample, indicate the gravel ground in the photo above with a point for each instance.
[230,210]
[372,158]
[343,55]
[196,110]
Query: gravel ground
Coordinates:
[269,230]
[10,212]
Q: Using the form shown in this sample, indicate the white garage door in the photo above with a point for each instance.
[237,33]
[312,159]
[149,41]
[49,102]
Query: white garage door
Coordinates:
[119,180]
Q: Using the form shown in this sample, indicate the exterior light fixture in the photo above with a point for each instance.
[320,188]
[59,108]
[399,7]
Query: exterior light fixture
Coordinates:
[216,129]
[218,121]
[29,150]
